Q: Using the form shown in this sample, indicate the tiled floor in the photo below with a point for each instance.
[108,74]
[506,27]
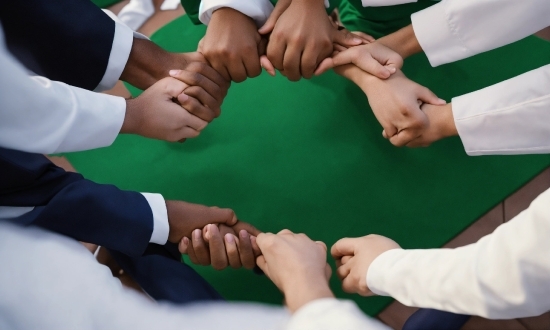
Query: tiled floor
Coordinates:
[396,314]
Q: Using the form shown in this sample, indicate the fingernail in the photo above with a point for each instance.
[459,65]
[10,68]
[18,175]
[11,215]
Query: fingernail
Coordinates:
[392,69]
[229,238]
[442,101]
[174,72]
[183,97]
[186,241]
[357,40]
[197,234]
[243,233]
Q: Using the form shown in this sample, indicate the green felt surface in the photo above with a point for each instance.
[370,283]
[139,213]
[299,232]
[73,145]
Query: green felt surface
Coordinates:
[309,156]
[105,3]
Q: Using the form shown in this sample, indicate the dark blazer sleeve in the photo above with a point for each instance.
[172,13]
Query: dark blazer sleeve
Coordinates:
[71,205]
[64,40]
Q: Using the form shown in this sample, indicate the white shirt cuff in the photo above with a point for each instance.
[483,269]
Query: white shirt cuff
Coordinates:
[120,52]
[437,37]
[161,228]
[258,10]
[377,278]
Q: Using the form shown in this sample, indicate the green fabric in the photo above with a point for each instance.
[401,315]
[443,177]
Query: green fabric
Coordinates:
[105,3]
[309,156]
[191,8]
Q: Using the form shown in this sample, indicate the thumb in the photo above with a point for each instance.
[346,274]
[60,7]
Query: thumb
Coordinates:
[267,65]
[279,9]
[218,215]
[344,247]
[346,38]
[427,96]
[346,56]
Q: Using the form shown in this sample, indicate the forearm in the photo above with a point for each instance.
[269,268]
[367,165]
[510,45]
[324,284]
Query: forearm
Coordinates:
[493,278]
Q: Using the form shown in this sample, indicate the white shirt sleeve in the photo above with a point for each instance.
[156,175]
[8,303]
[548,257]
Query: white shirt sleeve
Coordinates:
[43,116]
[511,117]
[120,52]
[332,314]
[383,3]
[161,227]
[504,275]
[258,10]
[455,29]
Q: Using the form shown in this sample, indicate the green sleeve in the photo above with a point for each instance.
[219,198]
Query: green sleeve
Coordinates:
[192,10]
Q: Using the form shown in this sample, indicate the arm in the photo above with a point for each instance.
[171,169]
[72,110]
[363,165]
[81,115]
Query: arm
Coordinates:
[504,275]
[508,118]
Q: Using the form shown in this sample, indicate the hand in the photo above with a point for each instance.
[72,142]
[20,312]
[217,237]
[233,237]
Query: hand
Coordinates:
[302,35]
[155,115]
[441,124]
[208,247]
[232,45]
[148,63]
[373,58]
[353,258]
[184,218]
[296,265]
[395,102]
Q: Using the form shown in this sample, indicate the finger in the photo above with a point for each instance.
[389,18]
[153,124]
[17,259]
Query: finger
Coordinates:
[308,62]
[232,251]
[285,232]
[345,259]
[349,285]
[276,50]
[255,246]
[343,247]
[211,107]
[328,271]
[427,96]
[241,225]
[218,256]
[346,38]
[343,271]
[245,250]
[404,136]
[384,134]
[185,133]
[174,87]
[260,261]
[183,245]
[237,71]
[266,64]
[197,79]
[367,63]
[324,66]
[418,142]
[252,65]
[191,253]
[322,244]
[199,246]
[364,36]
[291,62]
[189,117]
[279,9]
[218,215]
[210,73]
[221,69]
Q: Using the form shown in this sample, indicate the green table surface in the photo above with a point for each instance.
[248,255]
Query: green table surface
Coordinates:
[309,156]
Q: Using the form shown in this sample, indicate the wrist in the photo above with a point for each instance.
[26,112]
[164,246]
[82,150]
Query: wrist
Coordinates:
[448,126]
[146,64]
[301,292]
[132,116]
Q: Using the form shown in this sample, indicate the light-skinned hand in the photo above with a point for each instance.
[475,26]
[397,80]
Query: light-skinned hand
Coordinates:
[353,258]
[233,46]
[301,35]
[296,265]
[220,245]
[154,114]
[395,102]
[373,58]
[441,124]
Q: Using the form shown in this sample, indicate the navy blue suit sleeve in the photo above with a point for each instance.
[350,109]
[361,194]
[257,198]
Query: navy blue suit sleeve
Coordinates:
[64,40]
[71,205]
